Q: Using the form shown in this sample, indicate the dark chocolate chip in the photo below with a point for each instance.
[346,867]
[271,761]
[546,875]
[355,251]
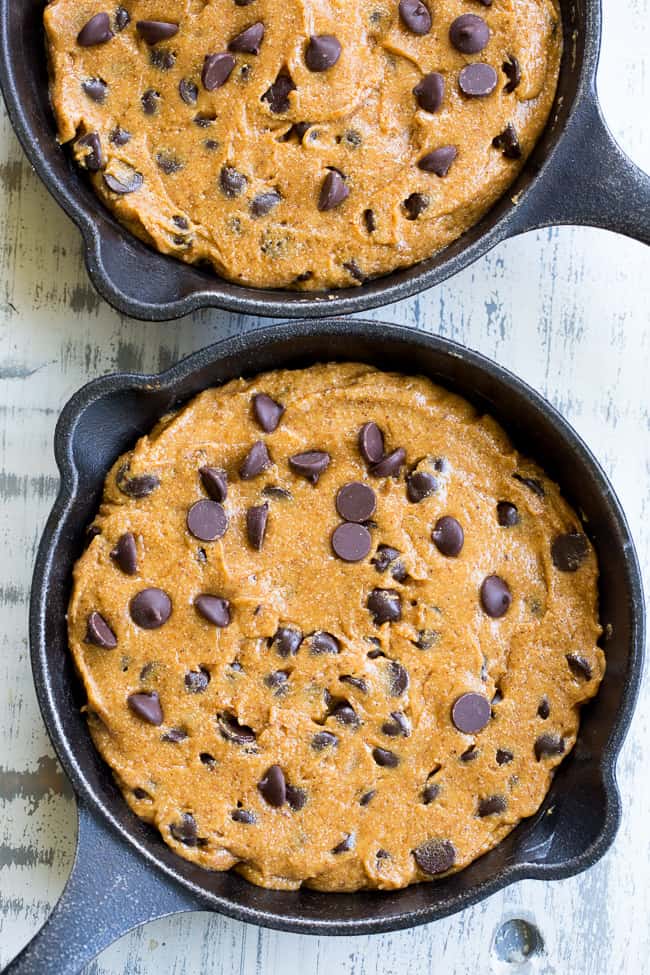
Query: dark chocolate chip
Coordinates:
[276,492]
[174,735]
[385,556]
[277,96]
[435,856]
[371,443]
[438,161]
[469,34]
[188,91]
[150,608]
[150,101]
[323,51]
[385,758]
[162,59]
[277,679]
[273,787]
[351,542]
[185,831]
[415,16]
[569,551]
[415,204]
[356,501]
[508,142]
[232,730]
[470,754]
[214,609]
[122,18]
[256,519]
[356,682]
[129,182]
[389,466]
[512,71]
[532,483]
[310,464]
[430,792]
[125,554]
[344,713]
[503,756]
[354,270]
[347,843]
[196,681]
[286,641]
[448,536]
[385,606]
[153,31]
[119,137]
[370,221]
[207,521]
[261,205]
[256,460]
[420,485]
[96,31]
[94,159]
[296,798]
[398,678]
[249,41]
[267,411]
[215,482]
[544,708]
[430,91]
[470,713]
[367,797]
[492,805]
[579,666]
[548,746]
[477,80]
[244,816]
[398,726]
[96,89]
[333,191]
[324,739]
[147,707]
[322,642]
[232,182]
[507,514]
[99,633]
[427,639]
[217,68]
[496,597]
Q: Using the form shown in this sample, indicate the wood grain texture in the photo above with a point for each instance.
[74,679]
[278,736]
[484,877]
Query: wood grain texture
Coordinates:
[568,310]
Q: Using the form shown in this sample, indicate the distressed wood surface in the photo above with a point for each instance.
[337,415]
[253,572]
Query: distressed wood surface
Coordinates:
[567,309]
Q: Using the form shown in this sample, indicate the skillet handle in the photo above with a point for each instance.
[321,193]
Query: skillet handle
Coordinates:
[111,890]
[589,182]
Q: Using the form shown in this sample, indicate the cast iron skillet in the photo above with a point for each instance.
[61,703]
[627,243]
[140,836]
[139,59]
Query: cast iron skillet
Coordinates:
[577,174]
[123,873]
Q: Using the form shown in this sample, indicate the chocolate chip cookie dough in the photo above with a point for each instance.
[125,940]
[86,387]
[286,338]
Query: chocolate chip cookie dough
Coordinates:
[302,145]
[334,630]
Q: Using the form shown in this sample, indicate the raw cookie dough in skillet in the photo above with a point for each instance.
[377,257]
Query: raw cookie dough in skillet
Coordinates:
[333,629]
[302,145]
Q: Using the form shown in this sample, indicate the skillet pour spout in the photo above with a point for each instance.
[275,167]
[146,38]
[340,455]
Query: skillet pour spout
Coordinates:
[124,874]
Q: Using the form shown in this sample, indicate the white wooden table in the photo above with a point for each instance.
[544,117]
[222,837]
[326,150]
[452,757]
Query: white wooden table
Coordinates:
[569,310]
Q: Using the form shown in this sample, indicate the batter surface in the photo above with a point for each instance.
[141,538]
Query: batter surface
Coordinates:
[333,629]
[302,144]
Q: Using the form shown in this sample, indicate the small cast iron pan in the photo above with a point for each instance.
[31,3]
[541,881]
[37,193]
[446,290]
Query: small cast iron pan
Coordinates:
[123,873]
[576,175]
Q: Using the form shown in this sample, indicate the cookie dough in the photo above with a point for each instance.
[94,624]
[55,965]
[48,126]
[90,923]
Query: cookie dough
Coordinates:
[334,630]
[296,144]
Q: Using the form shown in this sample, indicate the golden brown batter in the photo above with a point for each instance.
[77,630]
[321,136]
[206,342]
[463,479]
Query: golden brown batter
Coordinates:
[334,630]
[302,144]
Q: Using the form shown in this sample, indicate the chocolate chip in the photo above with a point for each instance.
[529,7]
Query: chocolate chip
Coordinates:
[119,137]
[217,68]
[421,485]
[579,666]
[214,609]
[244,816]
[507,514]
[492,805]
[310,464]
[386,556]
[512,71]
[469,34]
[448,536]
[256,519]
[544,708]
[427,639]
[470,754]
[371,443]
[389,466]
[185,831]
[162,59]
[323,51]
[351,542]
[477,80]
[276,492]
[333,191]
[188,91]
[385,758]
[153,31]
[128,182]
[435,856]
[347,843]
[122,18]
[262,204]
[503,756]
[96,31]
[569,551]
[256,460]
[430,91]
[415,16]
[296,798]
[232,730]
[532,483]
[174,735]
[232,182]
[322,642]
[354,270]
[370,221]
[99,633]
[277,96]
[324,739]
[438,161]
[94,159]
[215,482]
[249,41]
[548,746]
[277,679]
[470,713]
[267,411]
[149,101]
[399,726]
[203,120]
[125,554]
[96,89]
[286,641]
[508,142]
[367,797]
[385,606]
[415,204]
[150,608]
[398,678]
[357,682]
[496,597]
[273,787]
[344,713]
[356,501]
[207,521]
[147,707]
[196,681]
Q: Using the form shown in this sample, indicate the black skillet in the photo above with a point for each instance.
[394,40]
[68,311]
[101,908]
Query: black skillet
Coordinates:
[123,873]
[576,175]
